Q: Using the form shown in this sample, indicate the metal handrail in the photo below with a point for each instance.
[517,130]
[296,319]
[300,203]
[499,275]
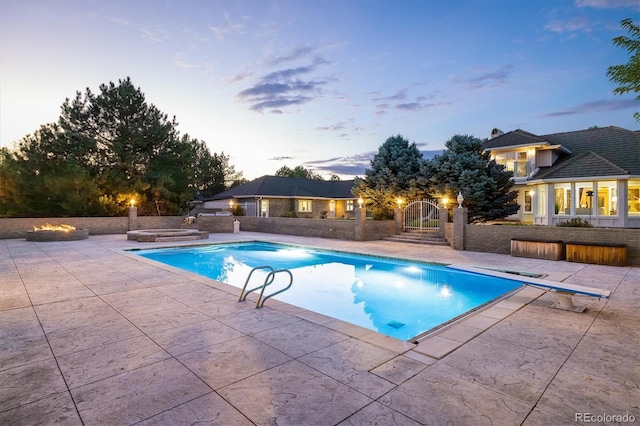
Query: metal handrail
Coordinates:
[272,275]
[243,295]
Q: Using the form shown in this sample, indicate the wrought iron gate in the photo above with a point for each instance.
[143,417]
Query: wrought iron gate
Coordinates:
[421,215]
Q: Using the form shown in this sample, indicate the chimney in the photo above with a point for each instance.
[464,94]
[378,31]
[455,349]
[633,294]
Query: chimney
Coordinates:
[496,132]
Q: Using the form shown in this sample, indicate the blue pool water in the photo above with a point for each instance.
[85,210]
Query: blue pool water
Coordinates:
[399,298]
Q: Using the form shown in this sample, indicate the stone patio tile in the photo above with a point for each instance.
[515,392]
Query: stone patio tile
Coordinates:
[377,414]
[74,339]
[479,321]
[152,322]
[519,369]
[300,338]
[615,327]
[14,300]
[615,363]
[437,347]
[293,394]
[113,282]
[191,337]
[58,409]
[20,323]
[400,369]
[16,352]
[254,321]
[228,362]
[417,356]
[89,365]
[349,362]
[74,313]
[538,417]
[140,301]
[29,383]
[138,394]
[435,396]
[460,333]
[58,292]
[208,409]
[575,391]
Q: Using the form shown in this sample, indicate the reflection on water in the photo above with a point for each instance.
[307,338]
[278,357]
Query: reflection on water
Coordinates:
[398,298]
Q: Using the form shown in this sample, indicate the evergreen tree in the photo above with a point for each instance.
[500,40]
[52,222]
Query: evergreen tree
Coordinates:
[106,149]
[465,167]
[628,75]
[394,172]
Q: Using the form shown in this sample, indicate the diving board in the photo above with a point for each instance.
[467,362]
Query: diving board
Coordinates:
[563,291]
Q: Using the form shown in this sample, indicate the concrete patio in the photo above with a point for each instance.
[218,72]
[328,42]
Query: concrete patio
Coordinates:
[91,334]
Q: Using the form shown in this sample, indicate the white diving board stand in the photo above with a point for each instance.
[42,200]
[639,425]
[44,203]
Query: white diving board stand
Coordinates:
[563,291]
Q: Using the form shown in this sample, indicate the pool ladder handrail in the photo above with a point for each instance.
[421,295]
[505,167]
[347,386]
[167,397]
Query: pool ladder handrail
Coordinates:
[267,281]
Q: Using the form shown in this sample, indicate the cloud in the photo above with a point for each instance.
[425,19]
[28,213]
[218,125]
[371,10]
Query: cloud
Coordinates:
[286,87]
[229,27]
[597,106]
[573,25]
[608,4]
[281,158]
[297,53]
[490,79]
[354,165]
[153,36]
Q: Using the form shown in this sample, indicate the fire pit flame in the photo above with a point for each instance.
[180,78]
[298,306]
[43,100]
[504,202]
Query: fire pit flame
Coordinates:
[59,228]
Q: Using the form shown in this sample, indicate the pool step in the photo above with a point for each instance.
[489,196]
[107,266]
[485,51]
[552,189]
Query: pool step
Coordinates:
[427,238]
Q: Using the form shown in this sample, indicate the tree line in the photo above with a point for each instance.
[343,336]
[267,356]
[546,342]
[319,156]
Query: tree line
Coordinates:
[399,170]
[106,150]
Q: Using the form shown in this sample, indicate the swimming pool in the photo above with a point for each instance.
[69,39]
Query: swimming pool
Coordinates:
[399,298]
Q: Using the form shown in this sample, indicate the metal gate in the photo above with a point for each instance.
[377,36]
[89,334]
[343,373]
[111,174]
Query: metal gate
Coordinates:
[421,215]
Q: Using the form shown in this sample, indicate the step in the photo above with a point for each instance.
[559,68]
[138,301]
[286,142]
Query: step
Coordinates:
[435,240]
[178,238]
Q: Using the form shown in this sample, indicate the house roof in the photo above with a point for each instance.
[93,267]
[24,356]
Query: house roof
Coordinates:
[289,187]
[597,152]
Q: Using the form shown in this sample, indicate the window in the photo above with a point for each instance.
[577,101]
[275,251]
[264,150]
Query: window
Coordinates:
[515,162]
[528,208]
[633,198]
[562,200]
[304,206]
[349,206]
[584,198]
[607,200]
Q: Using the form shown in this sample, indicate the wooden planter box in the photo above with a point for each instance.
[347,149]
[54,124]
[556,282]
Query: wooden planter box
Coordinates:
[537,249]
[599,254]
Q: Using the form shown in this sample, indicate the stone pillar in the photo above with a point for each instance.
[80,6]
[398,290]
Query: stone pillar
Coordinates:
[459,223]
[361,217]
[398,218]
[133,218]
[443,218]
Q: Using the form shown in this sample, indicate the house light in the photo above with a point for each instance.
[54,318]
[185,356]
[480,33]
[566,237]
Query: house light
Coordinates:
[360,202]
[132,202]
[399,201]
[460,199]
[231,204]
[445,201]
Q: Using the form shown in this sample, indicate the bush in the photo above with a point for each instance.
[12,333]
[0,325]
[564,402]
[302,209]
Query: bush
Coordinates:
[575,222]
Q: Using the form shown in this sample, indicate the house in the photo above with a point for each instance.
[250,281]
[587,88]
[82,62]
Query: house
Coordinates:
[592,174]
[277,196]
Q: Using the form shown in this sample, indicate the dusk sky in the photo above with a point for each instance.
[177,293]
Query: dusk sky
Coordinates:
[322,83]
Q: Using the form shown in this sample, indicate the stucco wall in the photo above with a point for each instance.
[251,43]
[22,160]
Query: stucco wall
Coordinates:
[497,238]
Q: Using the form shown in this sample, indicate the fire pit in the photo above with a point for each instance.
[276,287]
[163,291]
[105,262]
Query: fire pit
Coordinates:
[48,232]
